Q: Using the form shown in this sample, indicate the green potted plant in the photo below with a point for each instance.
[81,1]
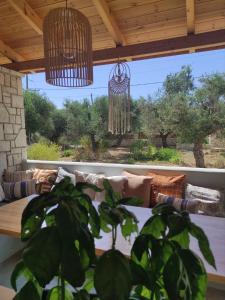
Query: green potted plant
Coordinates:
[59,229]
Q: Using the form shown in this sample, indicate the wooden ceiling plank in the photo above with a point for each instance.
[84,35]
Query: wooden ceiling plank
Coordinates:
[190,12]
[28,14]
[163,47]
[10,53]
[109,21]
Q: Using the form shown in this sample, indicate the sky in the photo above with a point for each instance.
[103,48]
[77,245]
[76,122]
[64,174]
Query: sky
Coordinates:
[146,76]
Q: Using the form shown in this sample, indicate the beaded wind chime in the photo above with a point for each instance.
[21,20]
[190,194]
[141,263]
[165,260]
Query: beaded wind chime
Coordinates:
[119,99]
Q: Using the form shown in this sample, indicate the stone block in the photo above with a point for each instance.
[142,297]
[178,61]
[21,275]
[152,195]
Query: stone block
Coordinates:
[4,146]
[3,160]
[16,150]
[16,128]
[20,140]
[12,119]
[12,111]
[17,159]
[12,144]
[2,79]
[6,99]
[4,115]
[24,153]
[19,167]
[7,104]
[9,90]
[19,86]
[8,128]
[10,160]
[7,80]
[17,101]
[18,111]
[11,169]
[22,119]
[1,132]
[14,82]
[1,94]
[18,120]
[10,137]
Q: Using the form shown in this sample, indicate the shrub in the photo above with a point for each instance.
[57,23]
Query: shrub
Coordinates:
[167,154]
[220,163]
[68,153]
[138,150]
[43,151]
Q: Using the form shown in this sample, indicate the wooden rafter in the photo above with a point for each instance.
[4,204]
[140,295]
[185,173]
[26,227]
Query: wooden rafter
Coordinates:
[180,45]
[28,14]
[190,13]
[10,53]
[109,21]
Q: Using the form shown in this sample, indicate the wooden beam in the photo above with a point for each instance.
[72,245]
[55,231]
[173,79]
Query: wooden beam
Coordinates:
[10,53]
[28,14]
[199,42]
[190,13]
[109,21]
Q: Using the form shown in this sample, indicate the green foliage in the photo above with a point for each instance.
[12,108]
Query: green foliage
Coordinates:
[140,150]
[160,266]
[43,151]
[67,152]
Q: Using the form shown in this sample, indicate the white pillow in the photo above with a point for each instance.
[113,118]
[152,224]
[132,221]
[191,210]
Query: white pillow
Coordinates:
[2,194]
[63,173]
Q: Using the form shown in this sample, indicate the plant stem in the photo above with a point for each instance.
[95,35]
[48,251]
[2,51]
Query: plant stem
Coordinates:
[114,236]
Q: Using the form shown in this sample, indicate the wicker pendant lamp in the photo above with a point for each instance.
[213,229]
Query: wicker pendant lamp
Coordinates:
[119,99]
[67,48]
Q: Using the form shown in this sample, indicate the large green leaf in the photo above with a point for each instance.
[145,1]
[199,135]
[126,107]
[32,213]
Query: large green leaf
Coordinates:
[133,201]
[71,266]
[203,243]
[42,255]
[28,291]
[32,225]
[113,276]
[56,294]
[196,274]
[128,227]
[140,246]
[19,271]
[109,193]
[172,276]
[94,221]
[154,226]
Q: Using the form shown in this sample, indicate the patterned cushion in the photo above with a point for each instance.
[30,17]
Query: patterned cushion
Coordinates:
[18,190]
[2,194]
[17,176]
[45,179]
[212,201]
[168,185]
[90,178]
[63,173]
[192,206]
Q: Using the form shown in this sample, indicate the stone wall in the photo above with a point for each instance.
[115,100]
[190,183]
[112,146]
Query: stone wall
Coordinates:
[12,121]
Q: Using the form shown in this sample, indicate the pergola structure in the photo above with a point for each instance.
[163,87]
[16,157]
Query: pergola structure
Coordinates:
[125,29]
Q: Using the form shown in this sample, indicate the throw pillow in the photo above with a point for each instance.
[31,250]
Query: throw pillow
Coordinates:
[192,206]
[45,179]
[2,194]
[168,185]
[16,176]
[63,173]
[18,190]
[90,178]
[211,200]
[152,192]
[117,183]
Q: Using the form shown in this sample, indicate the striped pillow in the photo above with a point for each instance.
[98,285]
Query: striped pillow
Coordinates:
[2,194]
[18,190]
[17,176]
[192,206]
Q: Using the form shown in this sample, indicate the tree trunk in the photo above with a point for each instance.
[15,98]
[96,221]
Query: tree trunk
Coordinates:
[94,144]
[119,141]
[199,155]
[164,140]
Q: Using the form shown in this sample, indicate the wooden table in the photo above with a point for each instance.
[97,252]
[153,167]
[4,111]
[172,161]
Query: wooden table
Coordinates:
[10,218]
[6,293]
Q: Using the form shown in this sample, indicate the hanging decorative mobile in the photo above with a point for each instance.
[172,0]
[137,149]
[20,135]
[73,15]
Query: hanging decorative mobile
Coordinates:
[67,48]
[119,99]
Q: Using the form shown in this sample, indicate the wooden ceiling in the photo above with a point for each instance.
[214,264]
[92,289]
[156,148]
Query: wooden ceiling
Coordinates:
[129,29]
